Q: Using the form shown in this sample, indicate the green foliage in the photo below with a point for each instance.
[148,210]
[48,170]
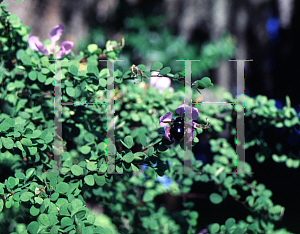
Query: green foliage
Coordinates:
[49,201]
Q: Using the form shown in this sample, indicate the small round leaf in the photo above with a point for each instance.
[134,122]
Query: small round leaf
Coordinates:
[34,211]
[26,196]
[44,220]
[229,223]
[26,142]
[54,196]
[100,180]
[62,187]
[143,139]
[85,149]
[128,141]
[77,170]
[92,47]
[214,228]
[33,227]
[148,196]
[89,180]
[92,166]
[215,198]
[8,143]
[73,70]
[165,71]
[66,221]
[156,66]
[128,157]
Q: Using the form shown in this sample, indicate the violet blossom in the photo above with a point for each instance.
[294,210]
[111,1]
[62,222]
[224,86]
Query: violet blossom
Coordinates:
[167,118]
[55,34]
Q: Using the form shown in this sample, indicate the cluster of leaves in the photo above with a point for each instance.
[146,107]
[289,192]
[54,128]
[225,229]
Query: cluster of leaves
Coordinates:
[36,198]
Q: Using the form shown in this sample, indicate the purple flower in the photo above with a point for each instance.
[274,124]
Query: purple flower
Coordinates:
[160,82]
[55,34]
[167,118]
[180,111]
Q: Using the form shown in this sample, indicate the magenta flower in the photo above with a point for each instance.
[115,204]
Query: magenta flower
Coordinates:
[160,82]
[167,118]
[55,34]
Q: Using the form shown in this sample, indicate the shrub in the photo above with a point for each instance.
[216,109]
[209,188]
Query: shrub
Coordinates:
[45,188]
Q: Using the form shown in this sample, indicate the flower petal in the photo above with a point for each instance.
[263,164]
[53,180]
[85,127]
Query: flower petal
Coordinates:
[55,34]
[36,45]
[180,111]
[165,118]
[153,80]
[194,125]
[155,73]
[190,131]
[60,54]
[162,83]
[167,133]
[195,113]
[65,48]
